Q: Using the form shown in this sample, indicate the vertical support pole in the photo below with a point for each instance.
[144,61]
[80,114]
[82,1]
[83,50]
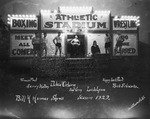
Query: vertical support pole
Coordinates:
[111,34]
[138,41]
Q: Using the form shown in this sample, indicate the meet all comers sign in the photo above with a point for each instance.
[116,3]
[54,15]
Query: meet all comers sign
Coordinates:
[21,45]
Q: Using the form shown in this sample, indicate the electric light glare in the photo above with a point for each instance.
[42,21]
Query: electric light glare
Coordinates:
[16,15]
[116,17]
[55,11]
[8,22]
[20,16]
[75,9]
[34,16]
[138,20]
[137,17]
[45,11]
[8,18]
[127,17]
[102,12]
[8,15]
[138,24]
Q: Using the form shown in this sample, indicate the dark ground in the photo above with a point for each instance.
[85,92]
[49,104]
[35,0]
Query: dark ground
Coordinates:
[135,71]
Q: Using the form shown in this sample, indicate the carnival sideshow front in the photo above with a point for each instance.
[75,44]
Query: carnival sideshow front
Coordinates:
[78,32]
[81,65]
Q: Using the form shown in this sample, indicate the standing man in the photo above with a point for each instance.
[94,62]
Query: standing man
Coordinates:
[36,45]
[107,43]
[57,41]
[44,42]
[119,42]
[75,43]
